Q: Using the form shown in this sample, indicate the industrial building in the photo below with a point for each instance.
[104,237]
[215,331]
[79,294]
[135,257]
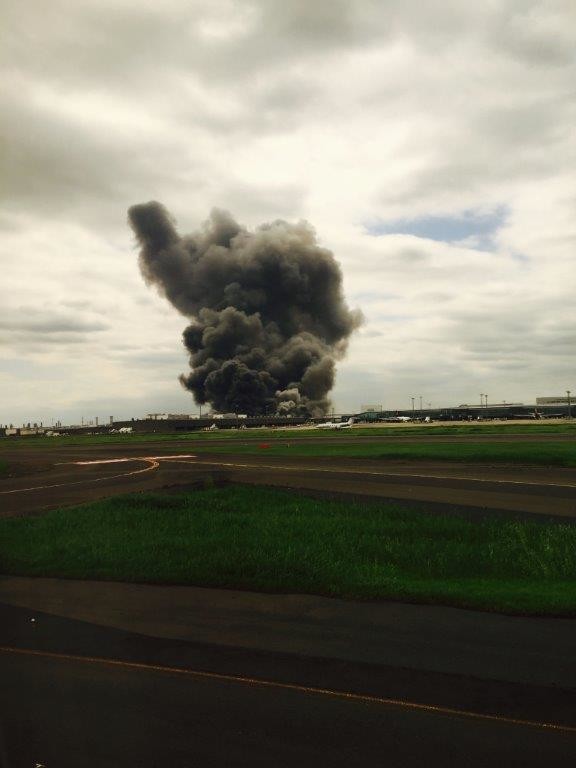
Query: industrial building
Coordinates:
[553,401]
[545,407]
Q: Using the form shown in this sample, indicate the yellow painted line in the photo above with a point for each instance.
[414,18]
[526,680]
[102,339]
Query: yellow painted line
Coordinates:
[152,465]
[257,682]
[378,474]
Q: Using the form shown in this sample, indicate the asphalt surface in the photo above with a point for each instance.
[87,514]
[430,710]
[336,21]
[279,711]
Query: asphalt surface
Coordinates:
[336,689]
[43,480]
[108,717]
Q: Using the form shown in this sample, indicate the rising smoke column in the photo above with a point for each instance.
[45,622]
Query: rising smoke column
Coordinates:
[268,316]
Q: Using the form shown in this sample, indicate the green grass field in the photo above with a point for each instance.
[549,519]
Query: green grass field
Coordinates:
[3,468]
[349,443]
[545,454]
[282,435]
[277,541]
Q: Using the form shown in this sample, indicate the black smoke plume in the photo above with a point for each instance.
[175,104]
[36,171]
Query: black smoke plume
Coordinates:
[268,316]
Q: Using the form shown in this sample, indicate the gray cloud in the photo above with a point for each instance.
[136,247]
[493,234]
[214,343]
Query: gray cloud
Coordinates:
[506,336]
[269,202]
[54,165]
[535,32]
[131,39]
[34,321]
[37,331]
[159,361]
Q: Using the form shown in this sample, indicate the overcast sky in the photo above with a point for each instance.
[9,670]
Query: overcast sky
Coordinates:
[430,144]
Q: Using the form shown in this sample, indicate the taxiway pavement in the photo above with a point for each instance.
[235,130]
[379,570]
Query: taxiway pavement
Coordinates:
[98,674]
[60,476]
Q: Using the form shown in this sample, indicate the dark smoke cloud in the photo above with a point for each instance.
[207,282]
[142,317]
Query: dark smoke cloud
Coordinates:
[268,316]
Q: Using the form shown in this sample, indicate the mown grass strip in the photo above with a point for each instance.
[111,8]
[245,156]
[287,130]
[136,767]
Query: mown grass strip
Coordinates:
[276,541]
[551,454]
[545,454]
[286,434]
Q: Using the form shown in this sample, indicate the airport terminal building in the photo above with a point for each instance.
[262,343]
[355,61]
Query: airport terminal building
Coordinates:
[545,407]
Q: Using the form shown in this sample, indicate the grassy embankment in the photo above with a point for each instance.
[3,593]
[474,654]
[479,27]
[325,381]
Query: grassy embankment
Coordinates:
[276,541]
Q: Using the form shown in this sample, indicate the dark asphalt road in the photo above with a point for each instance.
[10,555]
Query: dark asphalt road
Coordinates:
[68,711]
[98,717]
[46,480]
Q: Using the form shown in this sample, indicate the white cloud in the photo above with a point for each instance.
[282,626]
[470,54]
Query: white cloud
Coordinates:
[341,113]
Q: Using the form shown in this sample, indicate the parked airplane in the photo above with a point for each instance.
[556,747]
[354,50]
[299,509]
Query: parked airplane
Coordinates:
[336,424]
[397,418]
[125,430]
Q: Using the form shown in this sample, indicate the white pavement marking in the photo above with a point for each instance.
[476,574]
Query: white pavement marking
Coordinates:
[100,461]
[130,458]
[152,461]
[379,474]
[152,465]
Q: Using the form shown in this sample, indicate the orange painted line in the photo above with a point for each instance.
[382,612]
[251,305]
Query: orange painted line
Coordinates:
[152,465]
[153,461]
[257,682]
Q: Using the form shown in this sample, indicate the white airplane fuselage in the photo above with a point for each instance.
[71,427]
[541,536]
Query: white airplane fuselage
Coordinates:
[397,419]
[336,424]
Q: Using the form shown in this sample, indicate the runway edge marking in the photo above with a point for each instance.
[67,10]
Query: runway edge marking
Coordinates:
[329,470]
[257,682]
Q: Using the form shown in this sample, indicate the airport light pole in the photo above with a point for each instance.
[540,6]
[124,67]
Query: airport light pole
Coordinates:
[569,404]
[420,405]
[413,406]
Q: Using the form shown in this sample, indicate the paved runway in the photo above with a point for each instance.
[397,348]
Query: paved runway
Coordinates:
[73,474]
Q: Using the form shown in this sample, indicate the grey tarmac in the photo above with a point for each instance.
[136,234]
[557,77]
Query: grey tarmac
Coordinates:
[76,474]
[103,674]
